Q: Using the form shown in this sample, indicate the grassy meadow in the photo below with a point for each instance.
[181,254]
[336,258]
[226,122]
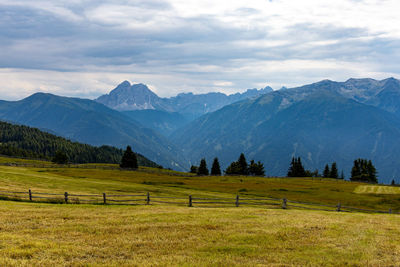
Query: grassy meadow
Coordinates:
[40,234]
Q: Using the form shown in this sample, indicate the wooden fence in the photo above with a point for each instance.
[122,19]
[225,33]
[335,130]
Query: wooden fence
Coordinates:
[190,201]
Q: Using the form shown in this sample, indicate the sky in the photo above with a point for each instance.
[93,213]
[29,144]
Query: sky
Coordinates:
[86,48]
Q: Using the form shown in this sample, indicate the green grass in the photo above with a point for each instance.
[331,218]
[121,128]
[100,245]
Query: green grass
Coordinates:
[98,178]
[41,234]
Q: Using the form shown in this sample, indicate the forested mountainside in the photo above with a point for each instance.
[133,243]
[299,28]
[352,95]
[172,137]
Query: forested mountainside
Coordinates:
[24,141]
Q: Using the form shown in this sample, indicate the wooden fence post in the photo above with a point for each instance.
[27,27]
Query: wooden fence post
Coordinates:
[66,197]
[30,195]
[338,207]
[284,203]
[190,201]
[148,198]
[104,198]
[390,211]
[237,201]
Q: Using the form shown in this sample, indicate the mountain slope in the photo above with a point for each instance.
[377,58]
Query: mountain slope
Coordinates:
[163,122]
[316,122]
[23,141]
[90,122]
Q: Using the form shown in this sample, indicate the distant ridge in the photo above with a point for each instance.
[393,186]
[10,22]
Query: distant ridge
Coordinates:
[127,97]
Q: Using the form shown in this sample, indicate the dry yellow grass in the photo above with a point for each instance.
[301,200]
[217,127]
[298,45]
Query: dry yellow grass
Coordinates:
[38,234]
[82,235]
[377,189]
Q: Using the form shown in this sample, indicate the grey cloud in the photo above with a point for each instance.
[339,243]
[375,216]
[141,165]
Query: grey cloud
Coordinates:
[33,38]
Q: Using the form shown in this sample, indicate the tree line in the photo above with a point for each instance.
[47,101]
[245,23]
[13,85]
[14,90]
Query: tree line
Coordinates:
[239,167]
[363,170]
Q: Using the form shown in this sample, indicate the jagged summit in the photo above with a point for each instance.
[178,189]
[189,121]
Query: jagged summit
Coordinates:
[128,97]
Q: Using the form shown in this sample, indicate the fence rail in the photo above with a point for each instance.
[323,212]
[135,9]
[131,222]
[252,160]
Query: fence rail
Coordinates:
[147,199]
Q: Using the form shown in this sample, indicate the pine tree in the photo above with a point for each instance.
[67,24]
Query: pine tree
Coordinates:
[342,175]
[215,169]
[356,170]
[243,164]
[334,171]
[327,172]
[256,169]
[193,169]
[291,170]
[296,168]
[202,168]
[371,170]
[60,157]
[300,169]
[129,159]
[393,182]
[363,170]
[233,169]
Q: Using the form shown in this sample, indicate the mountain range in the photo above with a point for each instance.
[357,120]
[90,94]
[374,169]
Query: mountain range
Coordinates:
[166,115]
[128,97]
[91,123]
[321,122]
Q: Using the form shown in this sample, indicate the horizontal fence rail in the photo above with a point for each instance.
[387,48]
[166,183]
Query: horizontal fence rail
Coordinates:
[190,201]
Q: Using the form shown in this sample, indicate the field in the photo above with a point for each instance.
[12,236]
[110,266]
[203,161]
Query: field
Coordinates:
[40,234]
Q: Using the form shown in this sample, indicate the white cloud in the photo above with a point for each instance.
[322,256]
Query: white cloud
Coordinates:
[84,48]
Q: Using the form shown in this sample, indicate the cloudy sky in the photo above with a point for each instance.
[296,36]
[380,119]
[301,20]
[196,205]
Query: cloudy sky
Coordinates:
[85,48]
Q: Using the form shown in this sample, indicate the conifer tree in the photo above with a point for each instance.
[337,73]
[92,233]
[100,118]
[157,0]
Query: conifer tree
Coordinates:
[334,171]
[129,159]
[256,169]
[327,172]
[243,164]
[60,157]
[393,182]
[356,170]
[233,169]
[371,170]
[342,175]
[215,169]
[291,170]
[193,169]
[296,168]
[363,170]
[202,168]
[300,169]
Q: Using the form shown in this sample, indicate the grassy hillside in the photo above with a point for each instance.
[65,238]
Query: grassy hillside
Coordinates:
[102,178]
[24,141]
[39,234]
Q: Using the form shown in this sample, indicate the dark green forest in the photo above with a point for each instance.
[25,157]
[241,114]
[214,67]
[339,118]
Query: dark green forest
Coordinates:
[28,142]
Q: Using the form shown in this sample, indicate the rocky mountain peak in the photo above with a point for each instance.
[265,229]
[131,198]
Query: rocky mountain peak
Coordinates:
[127,96]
